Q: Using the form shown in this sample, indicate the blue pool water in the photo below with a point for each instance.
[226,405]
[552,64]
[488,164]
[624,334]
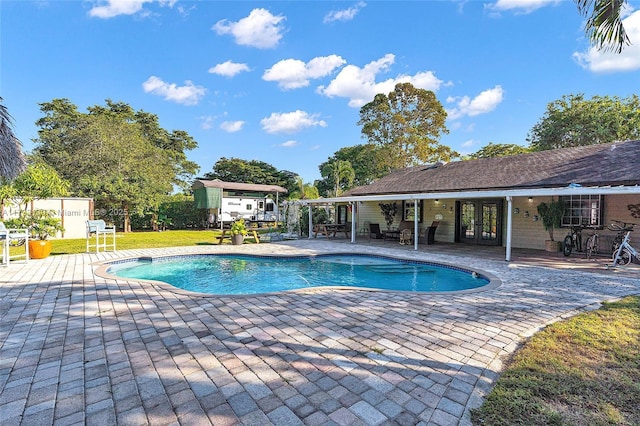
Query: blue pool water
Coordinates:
[244,274]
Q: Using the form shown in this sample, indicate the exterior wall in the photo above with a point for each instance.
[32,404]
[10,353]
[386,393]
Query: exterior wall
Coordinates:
[528,231]
[73,213]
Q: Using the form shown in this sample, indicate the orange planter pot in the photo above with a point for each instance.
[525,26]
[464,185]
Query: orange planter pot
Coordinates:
[39,249]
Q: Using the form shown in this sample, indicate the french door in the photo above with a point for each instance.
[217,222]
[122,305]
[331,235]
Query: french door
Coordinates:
[479,222]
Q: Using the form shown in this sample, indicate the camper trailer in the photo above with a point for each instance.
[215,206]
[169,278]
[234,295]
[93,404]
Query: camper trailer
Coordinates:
[230,201]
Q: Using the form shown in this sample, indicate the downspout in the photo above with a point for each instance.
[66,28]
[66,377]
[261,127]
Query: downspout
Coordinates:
[509,227]
[415,224]
[310,220]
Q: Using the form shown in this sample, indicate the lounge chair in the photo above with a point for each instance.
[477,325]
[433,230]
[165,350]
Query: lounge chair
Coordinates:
[19,236]
[374,231]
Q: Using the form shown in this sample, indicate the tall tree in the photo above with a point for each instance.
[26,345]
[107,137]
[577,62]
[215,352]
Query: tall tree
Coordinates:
[405,125]
[363,160]
[498,150]
[304,191]
[12,161]
[253,171]
[575,121]
[604,24]
[340,174]
[112,155]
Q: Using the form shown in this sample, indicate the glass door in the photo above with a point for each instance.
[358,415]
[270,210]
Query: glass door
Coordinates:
[480,222]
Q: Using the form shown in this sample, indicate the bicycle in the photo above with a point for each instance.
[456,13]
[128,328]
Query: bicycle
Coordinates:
[573,240]
[625,253]
[591,245]
[621,228]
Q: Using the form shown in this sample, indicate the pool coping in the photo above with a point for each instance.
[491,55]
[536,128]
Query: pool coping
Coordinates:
[102,271]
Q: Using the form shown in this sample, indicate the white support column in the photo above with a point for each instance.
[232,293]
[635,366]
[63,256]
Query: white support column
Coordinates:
[415,224]
[353,221]
[509,227]
[310,220]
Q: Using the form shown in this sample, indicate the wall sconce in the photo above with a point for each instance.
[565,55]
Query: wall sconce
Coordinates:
[516,210]
[437,200]
[530,199]
[535,218]
[526,213]
[444,205]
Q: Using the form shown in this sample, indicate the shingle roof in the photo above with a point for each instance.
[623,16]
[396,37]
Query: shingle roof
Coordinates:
[238,186]
[613,164]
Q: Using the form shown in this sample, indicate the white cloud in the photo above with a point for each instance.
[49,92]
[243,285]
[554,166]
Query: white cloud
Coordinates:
[519,6]
[485,102]
[628,60]
[360,86]
[289,144]
[468,143]
[207,122]
[290,122]
[112,8]
[345,14]
[228,69]
[260,29]
[232,126]
[189,94]
[293,73]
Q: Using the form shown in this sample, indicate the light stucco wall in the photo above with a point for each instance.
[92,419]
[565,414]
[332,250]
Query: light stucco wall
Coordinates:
[72,212]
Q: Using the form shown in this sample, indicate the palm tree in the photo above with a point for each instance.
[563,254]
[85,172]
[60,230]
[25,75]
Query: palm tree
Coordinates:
[12,161]
[342,170]
[604,26]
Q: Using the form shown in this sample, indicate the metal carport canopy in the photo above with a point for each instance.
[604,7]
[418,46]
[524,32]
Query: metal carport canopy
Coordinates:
[508,194]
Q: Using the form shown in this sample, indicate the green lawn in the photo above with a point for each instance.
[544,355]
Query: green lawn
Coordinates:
[581,371]
[137,240]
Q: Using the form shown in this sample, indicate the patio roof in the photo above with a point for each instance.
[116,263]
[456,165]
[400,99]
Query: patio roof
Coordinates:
[604,169]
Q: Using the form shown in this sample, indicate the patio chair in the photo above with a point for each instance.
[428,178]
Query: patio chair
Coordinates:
[97,229]
[15,237]
[406,236]
[374,231]
[431,232]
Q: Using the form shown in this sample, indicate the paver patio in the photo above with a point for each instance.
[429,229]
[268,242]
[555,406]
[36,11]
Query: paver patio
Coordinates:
[80,349]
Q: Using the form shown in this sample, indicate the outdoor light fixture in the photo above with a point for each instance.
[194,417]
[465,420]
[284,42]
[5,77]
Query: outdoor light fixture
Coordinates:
[437,200]
[530,199]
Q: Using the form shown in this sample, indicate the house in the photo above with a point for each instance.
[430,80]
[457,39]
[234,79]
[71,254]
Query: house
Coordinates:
[494,201]
[228,201]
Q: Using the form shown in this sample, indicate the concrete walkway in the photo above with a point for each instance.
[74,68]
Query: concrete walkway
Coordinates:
[76,348]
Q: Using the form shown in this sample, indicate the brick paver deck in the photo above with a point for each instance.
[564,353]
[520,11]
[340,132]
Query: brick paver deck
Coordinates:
[80,349]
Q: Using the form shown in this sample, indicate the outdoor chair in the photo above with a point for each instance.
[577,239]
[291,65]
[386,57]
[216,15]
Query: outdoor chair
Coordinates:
[98,229]
[431,232]
[374,231]
[12,236]
[406,236]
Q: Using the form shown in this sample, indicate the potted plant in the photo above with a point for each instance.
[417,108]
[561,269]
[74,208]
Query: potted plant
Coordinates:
[551,215]
[389,211]
[238,231]
[41,224]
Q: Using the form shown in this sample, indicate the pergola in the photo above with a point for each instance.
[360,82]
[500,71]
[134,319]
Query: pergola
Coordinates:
[508,195]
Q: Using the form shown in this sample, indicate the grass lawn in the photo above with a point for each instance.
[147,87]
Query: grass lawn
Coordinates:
[137,240]
[581,371]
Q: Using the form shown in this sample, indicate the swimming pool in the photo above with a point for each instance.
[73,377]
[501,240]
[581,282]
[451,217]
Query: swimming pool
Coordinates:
[247,274]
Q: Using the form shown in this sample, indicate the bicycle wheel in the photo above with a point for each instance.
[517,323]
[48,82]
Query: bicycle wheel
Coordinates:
[592,246]
[567,245]
[623,259]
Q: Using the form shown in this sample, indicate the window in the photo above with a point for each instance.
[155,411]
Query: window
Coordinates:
[585,210]
[407,211]
[270,207]
[342,214]
[249,207]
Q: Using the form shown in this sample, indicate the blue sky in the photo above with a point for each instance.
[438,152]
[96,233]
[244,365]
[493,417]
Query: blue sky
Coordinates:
[283,81]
